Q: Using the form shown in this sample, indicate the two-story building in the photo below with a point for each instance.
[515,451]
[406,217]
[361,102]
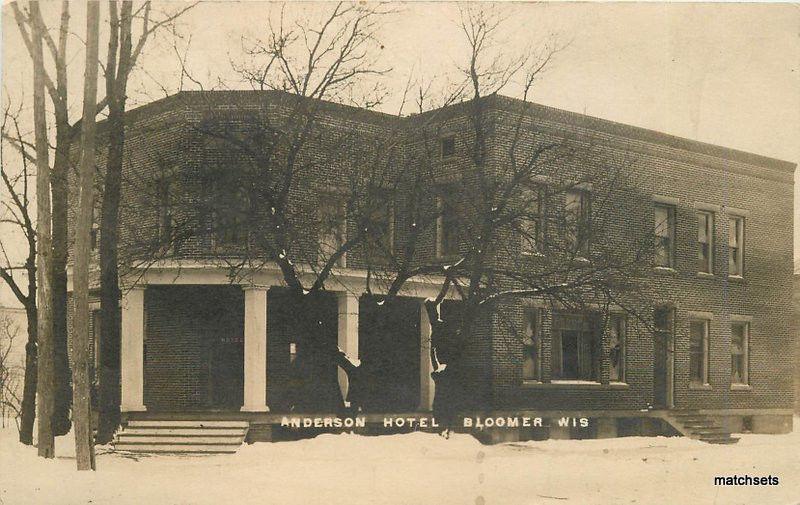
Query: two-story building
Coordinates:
[199,342]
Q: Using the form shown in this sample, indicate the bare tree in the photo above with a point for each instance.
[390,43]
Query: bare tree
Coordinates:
[46,380]
[120,61]
[10,376]
[81,408]
[18,186]
[31,22]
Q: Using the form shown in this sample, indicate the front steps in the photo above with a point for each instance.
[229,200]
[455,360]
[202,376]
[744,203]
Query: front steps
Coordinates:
[182,437]
[693,424]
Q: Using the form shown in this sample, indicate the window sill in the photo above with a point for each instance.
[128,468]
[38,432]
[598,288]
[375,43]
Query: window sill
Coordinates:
[572,384]
[741,387]
[705,275]
[665,270]
[700,387]
[532,254]
[736,278]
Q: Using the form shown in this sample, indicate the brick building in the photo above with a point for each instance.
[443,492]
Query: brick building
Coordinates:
[196,340]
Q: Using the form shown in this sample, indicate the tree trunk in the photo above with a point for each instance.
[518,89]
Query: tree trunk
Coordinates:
[28,408]
[63,393]
[109,402]
[81,408]
[45,381]
[116,88]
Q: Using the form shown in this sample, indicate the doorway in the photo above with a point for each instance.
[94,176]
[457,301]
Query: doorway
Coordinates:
[664,358]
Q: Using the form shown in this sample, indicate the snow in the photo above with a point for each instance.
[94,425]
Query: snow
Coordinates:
[414,468]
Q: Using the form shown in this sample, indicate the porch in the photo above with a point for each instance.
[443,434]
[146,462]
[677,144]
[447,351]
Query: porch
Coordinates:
[194,344]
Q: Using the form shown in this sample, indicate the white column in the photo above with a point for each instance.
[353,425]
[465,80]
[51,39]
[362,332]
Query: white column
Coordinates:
[132,350]
[348,334]
[255,349]
[426,385]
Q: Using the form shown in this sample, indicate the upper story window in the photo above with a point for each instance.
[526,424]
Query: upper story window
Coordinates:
[448,146]
[532,346]
[736,246]
[705,242]
[380,225]
[577,207]
[698,350]
[664,236]
[447,223]
[164,210]
[740,352]
[332,227]
[616,351]
[230,215]
[576,347]
[533,221]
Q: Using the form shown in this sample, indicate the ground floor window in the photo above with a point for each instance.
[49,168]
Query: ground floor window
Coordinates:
[576,347]
[740,340]
[616,348]
[698,351]
[532,346]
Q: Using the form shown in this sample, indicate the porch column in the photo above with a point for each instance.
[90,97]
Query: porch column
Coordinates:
[255,349]
[347,334]
[426,385]
[132,350]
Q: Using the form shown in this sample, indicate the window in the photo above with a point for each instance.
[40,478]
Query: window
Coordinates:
[705,242]
[332,227]
[533,222]
[231,207]
[447,225]
[532,346]
[616,348]
[698,351]
[380,226]
[578,212]
[164,209]
[665,236]
[448,145]
[576,347]
[740,352]
[736,246]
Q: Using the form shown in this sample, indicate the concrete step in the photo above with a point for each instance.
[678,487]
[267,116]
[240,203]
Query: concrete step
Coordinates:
[125,439]
[188,424]
[720,440]
[177,448]
[189,432]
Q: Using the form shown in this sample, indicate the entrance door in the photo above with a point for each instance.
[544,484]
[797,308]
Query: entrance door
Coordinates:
[663,358]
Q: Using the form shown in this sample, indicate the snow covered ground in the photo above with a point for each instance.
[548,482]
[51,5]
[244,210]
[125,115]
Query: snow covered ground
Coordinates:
[415,469]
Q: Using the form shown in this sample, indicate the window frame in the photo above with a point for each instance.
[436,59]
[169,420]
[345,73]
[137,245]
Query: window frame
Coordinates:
[705,319]
[671,228]
[588,330]
[580,243]
[533,243]
[739,232]
[385,241]
[745,351]
[449,138]
[620,322]
[341,202]
[239,212]
[532,315]
[443,252]
[709,231]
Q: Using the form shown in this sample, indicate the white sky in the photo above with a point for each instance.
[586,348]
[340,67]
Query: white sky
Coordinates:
[727,74]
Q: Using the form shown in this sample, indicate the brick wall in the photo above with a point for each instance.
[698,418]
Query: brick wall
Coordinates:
[166,136]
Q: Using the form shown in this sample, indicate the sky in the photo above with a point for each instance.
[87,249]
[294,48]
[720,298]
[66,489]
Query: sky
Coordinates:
[727,74]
